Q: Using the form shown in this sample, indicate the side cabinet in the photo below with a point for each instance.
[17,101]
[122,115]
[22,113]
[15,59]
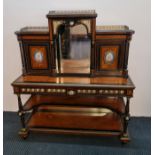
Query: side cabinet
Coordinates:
[112,49]
[35,50]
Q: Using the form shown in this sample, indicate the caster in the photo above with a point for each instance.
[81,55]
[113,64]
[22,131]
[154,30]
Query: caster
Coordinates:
[124,138]
[23,133]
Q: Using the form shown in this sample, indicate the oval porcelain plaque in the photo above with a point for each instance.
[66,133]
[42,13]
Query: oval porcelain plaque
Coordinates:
[38,56]
[109,57]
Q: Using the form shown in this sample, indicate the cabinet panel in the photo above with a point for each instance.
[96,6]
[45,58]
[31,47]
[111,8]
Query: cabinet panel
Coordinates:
[111,54]
[38,56]
[109,57]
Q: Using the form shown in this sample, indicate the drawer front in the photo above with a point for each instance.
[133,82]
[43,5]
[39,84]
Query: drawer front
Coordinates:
[74,91]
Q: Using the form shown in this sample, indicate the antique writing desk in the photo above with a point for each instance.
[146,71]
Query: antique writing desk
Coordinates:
[76,75]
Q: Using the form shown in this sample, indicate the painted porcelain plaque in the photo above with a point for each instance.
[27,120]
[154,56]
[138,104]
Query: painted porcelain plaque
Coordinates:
[109,57]
[38,56]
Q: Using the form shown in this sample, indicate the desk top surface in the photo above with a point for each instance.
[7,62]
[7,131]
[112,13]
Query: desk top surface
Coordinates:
[74,81]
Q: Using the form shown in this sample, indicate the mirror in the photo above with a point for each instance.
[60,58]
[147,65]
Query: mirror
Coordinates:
[73,48]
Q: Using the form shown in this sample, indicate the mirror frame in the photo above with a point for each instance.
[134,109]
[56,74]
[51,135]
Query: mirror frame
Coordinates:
[77,16]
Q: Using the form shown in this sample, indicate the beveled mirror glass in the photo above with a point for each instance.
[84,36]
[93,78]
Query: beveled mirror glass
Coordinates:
[73,47]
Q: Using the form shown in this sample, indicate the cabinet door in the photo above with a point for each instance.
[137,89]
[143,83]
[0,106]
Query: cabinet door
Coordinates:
[37,57]
[110,57]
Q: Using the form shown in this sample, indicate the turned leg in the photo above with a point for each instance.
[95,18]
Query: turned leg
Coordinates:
[125,136]
[23,133]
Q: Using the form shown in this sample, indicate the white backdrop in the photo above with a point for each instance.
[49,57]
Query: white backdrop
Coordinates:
[134,13]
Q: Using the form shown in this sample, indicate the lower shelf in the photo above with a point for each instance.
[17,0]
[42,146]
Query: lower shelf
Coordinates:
[77,118]
[114,103]
[75,132]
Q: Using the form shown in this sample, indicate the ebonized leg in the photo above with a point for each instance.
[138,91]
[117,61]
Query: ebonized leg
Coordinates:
[125,136]
[23,133]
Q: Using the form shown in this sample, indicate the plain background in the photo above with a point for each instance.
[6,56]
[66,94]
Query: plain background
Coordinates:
[134,13]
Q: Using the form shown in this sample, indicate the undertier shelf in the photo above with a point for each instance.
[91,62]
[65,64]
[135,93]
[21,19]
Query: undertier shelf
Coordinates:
[113,103]
[75,118]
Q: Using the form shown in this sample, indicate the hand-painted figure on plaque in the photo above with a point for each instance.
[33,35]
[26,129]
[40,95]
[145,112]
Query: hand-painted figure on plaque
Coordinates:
[38,56]
[109,57]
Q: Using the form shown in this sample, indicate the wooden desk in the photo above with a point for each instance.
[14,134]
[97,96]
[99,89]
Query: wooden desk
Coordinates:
[77,105]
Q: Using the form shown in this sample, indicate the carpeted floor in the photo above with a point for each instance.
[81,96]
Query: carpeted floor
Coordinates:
[42,144]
